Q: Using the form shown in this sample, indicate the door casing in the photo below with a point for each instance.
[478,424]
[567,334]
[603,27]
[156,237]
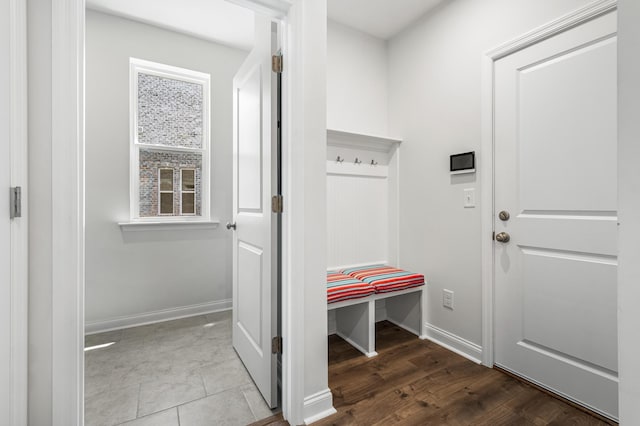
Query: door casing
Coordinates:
[19,227]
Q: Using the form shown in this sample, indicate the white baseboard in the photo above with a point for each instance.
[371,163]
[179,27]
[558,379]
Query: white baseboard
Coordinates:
[318,406]
[454,343]
[92,327]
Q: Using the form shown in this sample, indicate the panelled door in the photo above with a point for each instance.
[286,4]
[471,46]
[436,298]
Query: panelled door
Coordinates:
[5,224]
[255,226]
[555,214]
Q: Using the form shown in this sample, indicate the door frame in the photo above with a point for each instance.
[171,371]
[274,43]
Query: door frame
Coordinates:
[68,142]
[19,227]
[486,161]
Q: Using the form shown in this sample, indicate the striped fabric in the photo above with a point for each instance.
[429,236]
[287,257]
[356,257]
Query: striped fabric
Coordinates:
[343,287]
[385,278]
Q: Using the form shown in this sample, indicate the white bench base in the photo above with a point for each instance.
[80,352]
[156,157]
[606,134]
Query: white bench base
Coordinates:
[356,318]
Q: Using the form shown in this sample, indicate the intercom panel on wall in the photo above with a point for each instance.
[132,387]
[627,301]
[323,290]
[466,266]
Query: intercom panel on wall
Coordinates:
[462,163]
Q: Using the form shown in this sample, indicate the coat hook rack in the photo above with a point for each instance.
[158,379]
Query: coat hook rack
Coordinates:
[374,163]
[339,160]
[357,161]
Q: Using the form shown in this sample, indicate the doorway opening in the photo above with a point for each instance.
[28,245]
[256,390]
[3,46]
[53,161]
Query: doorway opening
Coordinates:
[165,284]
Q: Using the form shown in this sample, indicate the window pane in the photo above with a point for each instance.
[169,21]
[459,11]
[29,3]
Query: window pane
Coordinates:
[166,203]
[170,111]
[188,180]
[151,162]
[188,205]
[166,179]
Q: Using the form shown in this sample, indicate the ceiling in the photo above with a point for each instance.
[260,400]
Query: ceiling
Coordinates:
[379,18]
[227,23]
[216,20]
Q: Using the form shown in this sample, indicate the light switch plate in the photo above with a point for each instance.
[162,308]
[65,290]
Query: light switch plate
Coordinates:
[469,198]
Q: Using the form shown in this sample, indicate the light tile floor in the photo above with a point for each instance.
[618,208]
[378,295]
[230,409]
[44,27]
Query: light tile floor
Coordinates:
[176,373]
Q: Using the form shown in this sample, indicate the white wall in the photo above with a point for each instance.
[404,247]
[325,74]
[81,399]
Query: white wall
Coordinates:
[356,81]
[629,206]
[434,93]
[131,273]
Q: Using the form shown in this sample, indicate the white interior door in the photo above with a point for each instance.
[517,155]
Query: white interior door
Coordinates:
[556,174]
[254,269]
[5,231]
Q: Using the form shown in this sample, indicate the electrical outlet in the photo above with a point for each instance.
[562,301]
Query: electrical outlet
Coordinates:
[447,298]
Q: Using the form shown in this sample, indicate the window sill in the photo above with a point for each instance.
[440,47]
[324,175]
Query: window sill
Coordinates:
[169,225]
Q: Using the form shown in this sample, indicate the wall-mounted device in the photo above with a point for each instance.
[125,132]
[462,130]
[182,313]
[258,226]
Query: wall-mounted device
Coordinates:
[462,163]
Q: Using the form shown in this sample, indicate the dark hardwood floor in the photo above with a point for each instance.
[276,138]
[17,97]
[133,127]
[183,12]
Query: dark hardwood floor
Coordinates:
[416,382]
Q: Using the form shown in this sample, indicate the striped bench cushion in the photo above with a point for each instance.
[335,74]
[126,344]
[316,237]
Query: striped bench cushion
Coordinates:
[343,287]
[385,278]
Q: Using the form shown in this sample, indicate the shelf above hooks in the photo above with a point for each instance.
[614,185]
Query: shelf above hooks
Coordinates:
[341,138]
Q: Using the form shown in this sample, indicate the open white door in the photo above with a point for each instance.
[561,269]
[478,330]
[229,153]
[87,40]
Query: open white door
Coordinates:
[556,250]
[5,224]
[255,226]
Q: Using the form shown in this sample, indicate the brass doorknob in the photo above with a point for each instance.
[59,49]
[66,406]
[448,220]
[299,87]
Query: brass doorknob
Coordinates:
[503,237]
[504,215]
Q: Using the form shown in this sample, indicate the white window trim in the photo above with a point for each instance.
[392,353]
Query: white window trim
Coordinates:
[194,191]
[138,66]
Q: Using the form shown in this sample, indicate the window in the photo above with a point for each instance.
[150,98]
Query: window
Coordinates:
[188,191]
[169,143]
[165,192]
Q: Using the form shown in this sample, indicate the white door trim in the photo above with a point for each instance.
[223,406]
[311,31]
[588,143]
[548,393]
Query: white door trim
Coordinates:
[19,226]
[68,18]
[67,182]
[486,169]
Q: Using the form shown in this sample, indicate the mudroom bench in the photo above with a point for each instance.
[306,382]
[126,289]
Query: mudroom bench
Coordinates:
[354,294]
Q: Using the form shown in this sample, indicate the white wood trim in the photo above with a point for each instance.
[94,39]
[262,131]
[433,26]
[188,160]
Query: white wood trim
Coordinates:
[137,66]
[19,280]
[454,343]
[563,23]
[128,321]
[292,295]
[374,297]
[318,406]
[344,139]
[356,265]
[485,165]
[180,225]
[165,148]
[67,156]
[568,21]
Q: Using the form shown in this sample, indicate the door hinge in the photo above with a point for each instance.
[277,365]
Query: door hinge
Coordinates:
[276,63]
[277,204]
[276,345]
[16,202]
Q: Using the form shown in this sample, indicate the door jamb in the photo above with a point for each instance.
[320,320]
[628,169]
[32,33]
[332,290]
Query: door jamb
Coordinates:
[573,19]
[19,228]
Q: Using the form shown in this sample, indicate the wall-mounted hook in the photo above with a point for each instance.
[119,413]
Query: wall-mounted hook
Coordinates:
[339,160]
[374,163]
[357,161]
